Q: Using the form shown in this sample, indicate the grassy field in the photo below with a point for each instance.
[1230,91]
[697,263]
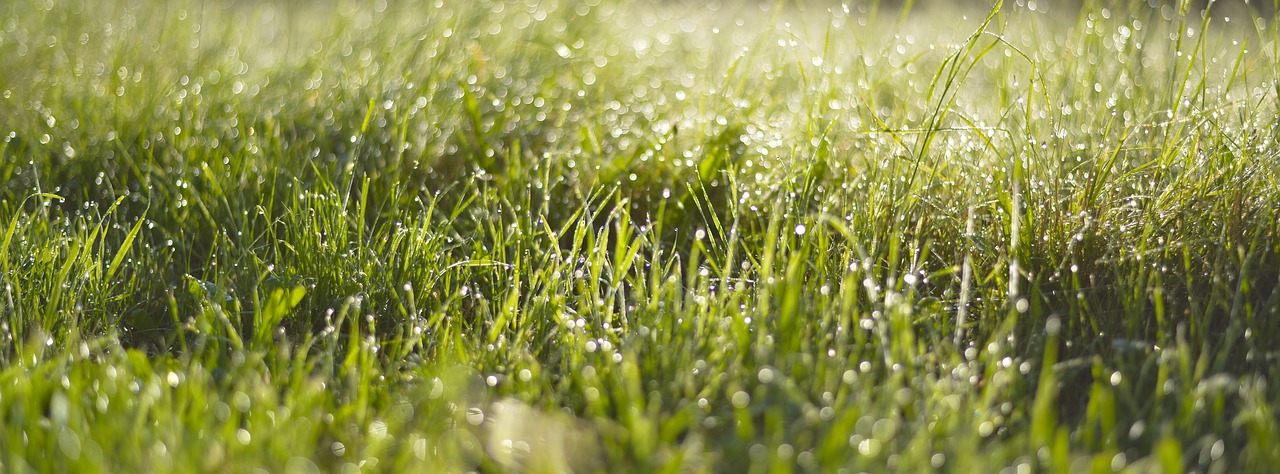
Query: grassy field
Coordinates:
[541,236]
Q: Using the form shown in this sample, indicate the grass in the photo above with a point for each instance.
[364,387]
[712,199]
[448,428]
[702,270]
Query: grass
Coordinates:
[595,236]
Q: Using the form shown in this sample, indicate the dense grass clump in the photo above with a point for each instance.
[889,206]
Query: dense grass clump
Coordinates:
[611,236]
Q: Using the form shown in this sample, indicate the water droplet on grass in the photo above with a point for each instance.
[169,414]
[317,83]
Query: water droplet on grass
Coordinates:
[740,399]
[475,416]
[765,375]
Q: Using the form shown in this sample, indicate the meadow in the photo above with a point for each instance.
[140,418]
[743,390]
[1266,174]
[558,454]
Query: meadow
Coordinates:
[599,236]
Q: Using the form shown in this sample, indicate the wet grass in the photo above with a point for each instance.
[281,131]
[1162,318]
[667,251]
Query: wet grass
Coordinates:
[632,237]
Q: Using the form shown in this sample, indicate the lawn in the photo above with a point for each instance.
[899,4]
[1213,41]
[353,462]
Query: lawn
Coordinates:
[598,236]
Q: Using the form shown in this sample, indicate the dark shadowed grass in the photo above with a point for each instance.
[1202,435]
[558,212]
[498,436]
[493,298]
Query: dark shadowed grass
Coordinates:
[638,237]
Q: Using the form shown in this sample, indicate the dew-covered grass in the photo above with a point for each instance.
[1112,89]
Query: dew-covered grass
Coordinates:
[599,236]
